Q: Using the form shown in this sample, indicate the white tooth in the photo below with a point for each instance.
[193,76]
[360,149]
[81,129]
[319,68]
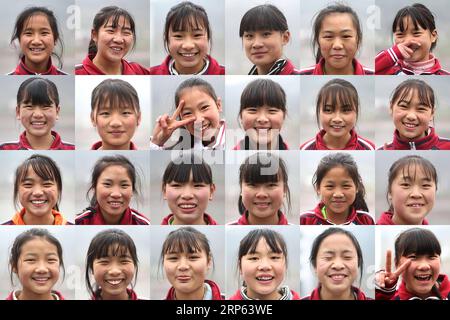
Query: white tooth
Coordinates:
[38,201]
[187,206]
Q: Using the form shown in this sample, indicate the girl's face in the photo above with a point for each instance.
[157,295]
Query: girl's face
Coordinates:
[419,40]
[114,274]
[411,117]
[337,191]
[207,112]
[116,126]
[188,201]
[264,47]
[37,42]
[263,124]
[187,272]
[337,121]
[263,272]
[263,200]
[38,120]
[338,42]
[188,49]
[36,195]
[422,273]
[37,269]
[336,265]
[114,191]
[113,43]
[412,197]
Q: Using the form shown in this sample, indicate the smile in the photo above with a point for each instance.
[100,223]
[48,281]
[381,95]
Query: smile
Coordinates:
[188,55]
[187,205]
[41,280]
[114,282]
[117,49]
[338,277]
[415,205]
[265,278]
[426,277]
[410,125]
[37,49]
[115,204]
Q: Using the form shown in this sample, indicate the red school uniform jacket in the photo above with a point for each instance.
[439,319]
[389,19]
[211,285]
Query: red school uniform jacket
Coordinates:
[99,144]
[281,67]
[208,219]
[87,67]
[56,295]
[23,143]
[430,142]
[391,62]
[319,67]
[386,219]
[22,69]
[163,69]
[17,219]
[356,142]
[440,291]
[93,216]
[215,290]
[131,295]
[287,295]
[243,220]
[359,295]
[315,217]
[244,144]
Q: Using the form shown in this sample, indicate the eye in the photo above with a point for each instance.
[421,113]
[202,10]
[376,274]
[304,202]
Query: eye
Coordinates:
[175,184]
[199,185]
[48,184]
[27,185]
[405,184]
[53,260]
[267,34]
[274,110]
[205,107]
[248,36]
[327,110]
[251,110]
[30,260]
[412,256]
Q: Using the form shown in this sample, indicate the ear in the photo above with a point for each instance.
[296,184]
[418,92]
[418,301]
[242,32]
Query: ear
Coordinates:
[139,119]
[212,189]
[391,109]
[434,36]
[94,124]
[210,263]
[285,37]
[58,108]
[17,113]
[164,192]
[219,104]
[94,36]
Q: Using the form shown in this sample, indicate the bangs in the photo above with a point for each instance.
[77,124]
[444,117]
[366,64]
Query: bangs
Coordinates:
[182,242]
[188,20]
[114,16]
[43,169]
[115,94]
[113,245]
[181,173]
[412,165]
[38,92]
[416,241]
[416,16]
[263,17]
[263,92]
[338,96]
[425,94]
[273,239]
[262,168]
[253,173]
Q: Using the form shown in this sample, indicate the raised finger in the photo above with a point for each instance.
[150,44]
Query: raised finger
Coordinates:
[180,123]
[402,268]
[178,110]
[388,261]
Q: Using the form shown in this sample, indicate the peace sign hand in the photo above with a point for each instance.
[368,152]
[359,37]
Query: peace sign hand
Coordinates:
[166,125]
[386,278]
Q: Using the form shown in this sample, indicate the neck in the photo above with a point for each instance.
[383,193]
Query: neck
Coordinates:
[193,70]
[399,221]
[107,67]
[349,69]
[121,296]
[30,219]
[326,294]
[107,146]
[40,143]
[197,294]
[263,69]
[339,218]
[29,295]
[274,295]
[199,220]
[111,219]
[254,220]
[36,67]
[336,142]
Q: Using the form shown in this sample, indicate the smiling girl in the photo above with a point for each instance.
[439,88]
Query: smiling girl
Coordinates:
[113,35]
[412,107]
[116,114]
[37,31]
[187,39]
[113,183]
[336,256]
[338,184]
[262,264]
[36,258]
[337,35]
[337,110]
[113,263]
[412,186]
[415,36]
[186,258]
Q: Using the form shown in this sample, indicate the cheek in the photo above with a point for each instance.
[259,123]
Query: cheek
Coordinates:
[247,121]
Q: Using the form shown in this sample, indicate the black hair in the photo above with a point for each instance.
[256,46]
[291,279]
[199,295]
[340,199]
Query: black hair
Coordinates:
[346,161]
[416,241]
[332,231]
[262,92]
[322,14]
[108,161]
[420,16]
[110,242]
[186,16]
[113,14]
[407,167]
[194,82]
[26,14]
[45,168]
[424,92]
[340,93]
[38,91]
[261,168]
[27,236]
[263,17]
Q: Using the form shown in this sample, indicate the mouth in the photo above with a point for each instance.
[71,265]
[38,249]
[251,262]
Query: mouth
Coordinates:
[116,49]
[116,133]
[338,277]
[423,277]
[114,282]
[38,124]
[39,203]
[115,204]
[41,279]
[187,207]
[259,53]
[410,126]
[265,278]
[37,50]
[415,205]
[262,205]
[337,56]
[183,278]
[337,127]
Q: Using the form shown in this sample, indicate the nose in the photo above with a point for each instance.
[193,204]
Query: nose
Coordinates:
[262,117]
[37,190]
[187,193]
[337,264]
[257,42]
[337,44]
[416,192]
[336,117]
[115,192]
[41,267]
[338,193]
[411,116]
[261,192]
[188,43]
[114,269]
[118,37]
[423,265]
[264,264]
[116,120]
[183,264]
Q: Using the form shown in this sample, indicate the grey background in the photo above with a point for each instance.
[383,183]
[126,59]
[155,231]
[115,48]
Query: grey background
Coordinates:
[365,236]
[86,134]
[384,160]
[236,60]
[235,86]
[160,209]
[308,9]
[309,89]
[216,17]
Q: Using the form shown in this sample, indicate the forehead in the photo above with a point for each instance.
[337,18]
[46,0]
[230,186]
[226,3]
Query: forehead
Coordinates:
[115,172]
[337,22]
[337,174]
[38,244]
[37,20]
[194,94]
[408,24]
[337,242]
[121,22]
[414,172]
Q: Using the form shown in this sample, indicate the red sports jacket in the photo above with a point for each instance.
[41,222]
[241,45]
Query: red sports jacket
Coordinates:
[216,295]
[430,142]
[213,69]
[319,67]
[315,217]
[315,295]
[386,219]
[208,219]
[23,143]
[243,220]
[355,143]
[87,67]
[22,69]
[93,216]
